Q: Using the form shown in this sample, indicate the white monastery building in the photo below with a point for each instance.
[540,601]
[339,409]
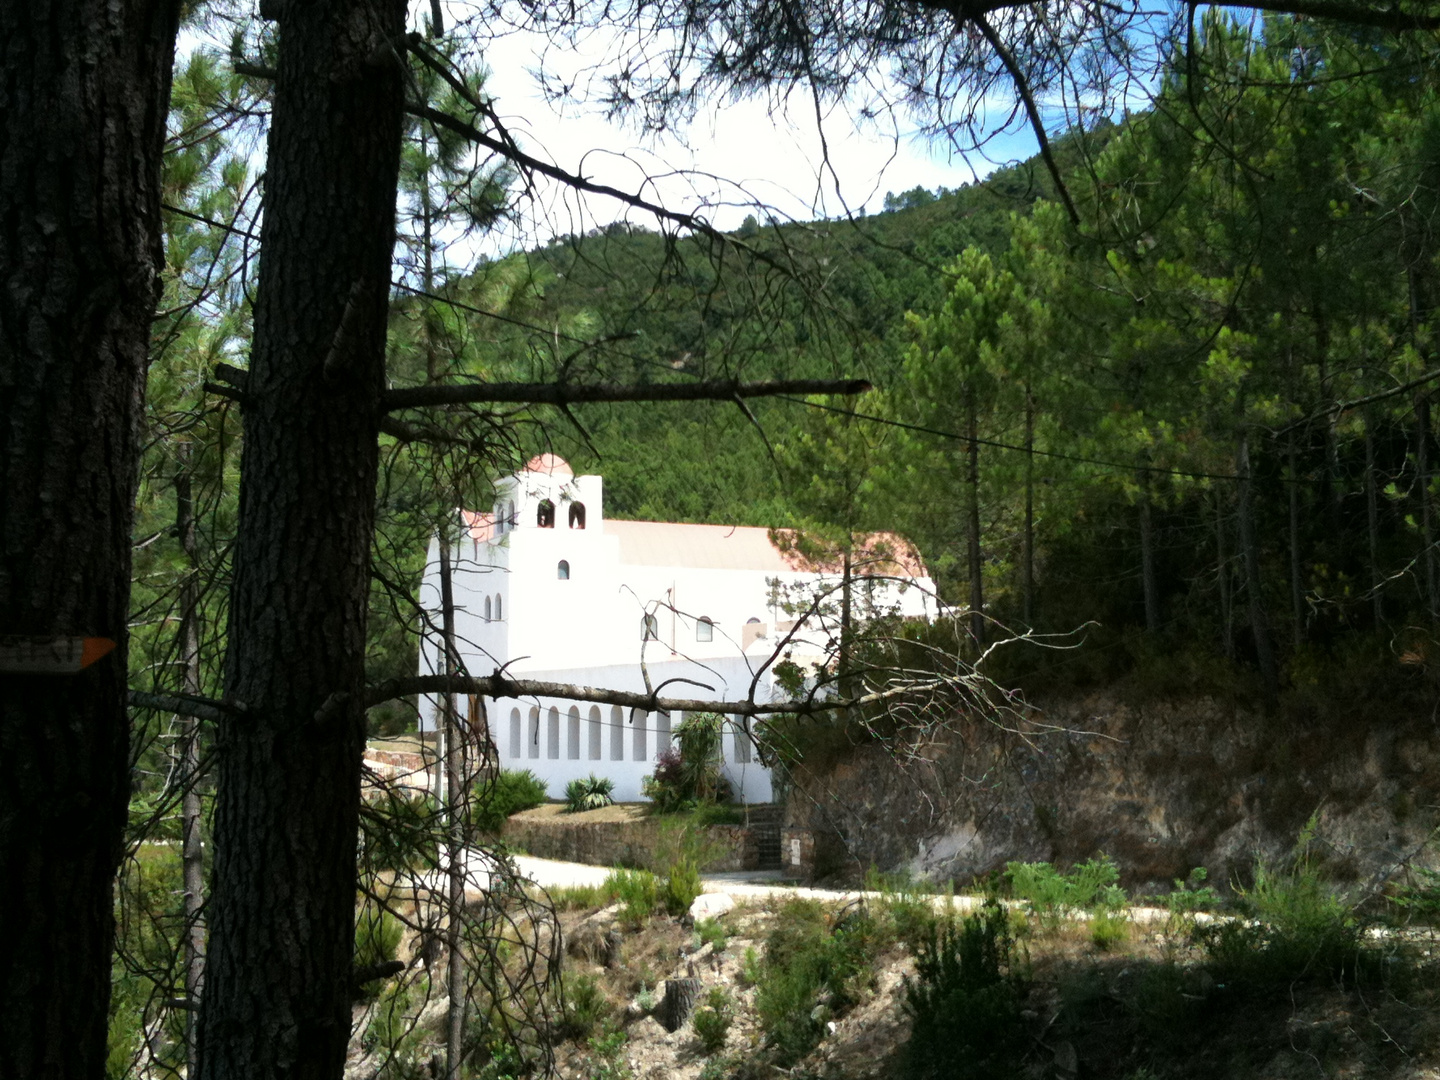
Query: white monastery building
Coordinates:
[547,588]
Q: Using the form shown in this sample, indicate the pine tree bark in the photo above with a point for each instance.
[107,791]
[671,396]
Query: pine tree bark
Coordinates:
[84,88]
[1149,585]
[1297,592]
[1028,555]
[972,523]
[1372,526]
[282,903]
[192,854]
[1250,557]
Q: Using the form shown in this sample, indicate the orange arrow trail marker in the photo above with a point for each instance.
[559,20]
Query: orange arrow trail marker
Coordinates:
[50,655]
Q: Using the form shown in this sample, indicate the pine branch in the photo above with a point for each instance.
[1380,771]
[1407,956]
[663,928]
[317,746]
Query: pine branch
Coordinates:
[562,394]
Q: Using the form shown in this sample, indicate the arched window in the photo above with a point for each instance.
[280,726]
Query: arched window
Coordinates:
[534,742]
[752,621]
[545,514]
[704,629]
[562,570]
[572,734]
[742,740]
[638,719]
[595,736]
[577,515]
[487,609]
[649,628]
[499,617]
[662,733]
[617,733]
[516,738]
[552,733]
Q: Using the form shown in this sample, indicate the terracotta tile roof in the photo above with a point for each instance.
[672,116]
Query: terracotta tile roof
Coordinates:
[552,464]
[478,526]
[744,547]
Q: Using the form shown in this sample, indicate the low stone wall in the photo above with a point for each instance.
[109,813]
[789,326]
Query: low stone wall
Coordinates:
[624,836]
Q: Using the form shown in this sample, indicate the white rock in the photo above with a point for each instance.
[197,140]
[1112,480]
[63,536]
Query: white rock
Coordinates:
[710,905]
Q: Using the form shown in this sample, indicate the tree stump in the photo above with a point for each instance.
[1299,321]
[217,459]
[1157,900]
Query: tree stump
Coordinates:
[680,995]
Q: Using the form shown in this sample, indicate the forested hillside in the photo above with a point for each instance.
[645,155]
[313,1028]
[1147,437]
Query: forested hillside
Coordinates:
[1201,413]
[1161,396]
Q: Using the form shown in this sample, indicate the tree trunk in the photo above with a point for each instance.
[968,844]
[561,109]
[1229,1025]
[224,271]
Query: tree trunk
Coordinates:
[1222,580]
[191,850]
[454,827]
[1372,527]
[679,1002]
[1147,566]
[282,904]
[1427,526]
[83,94]
[1028,556]
[1250,556]
[972,524]
[1297,592]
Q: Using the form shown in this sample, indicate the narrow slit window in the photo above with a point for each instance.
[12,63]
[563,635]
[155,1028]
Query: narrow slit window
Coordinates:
[577,515]
[534,747]
[552,733]
[517,738]
[498,609]
[562,570]
[545,514]
[704,629]
[487,609]
[572,734]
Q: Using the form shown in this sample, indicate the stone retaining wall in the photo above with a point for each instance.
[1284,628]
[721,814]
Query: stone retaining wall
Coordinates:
[640,842]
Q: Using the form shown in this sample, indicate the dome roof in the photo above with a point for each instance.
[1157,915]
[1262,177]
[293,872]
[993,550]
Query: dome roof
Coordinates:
[552,464]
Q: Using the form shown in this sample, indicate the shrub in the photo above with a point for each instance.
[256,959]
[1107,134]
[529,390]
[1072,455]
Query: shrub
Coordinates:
[909,911]
[810,973]
[1049,894]
[635,890]
[750,969]
[964,1001]
[577,897]
[377,936]
[688,775]
[591,793]
[1109,929]
[712,932]
[682,886]
[585,1006]
[711,1021]
[1419,898]
[509,793]
[604,1062]
[1293,925]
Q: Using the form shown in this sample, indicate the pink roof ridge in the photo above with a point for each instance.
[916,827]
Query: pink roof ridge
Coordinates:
[553,464]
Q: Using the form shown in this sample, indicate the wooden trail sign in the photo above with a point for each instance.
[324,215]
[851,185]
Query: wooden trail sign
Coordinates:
[50,655]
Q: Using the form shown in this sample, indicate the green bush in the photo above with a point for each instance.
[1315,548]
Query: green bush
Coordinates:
[712,1020]
[509,793]
[810,973]
[682,886]
[712,932]
[1292,925]
[586,1006]
[909,910]
[636,892]
[1109,929]
[964,1001]
[688,775]
[591,793]
[377,936]
[1050,895]
[1419,898]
